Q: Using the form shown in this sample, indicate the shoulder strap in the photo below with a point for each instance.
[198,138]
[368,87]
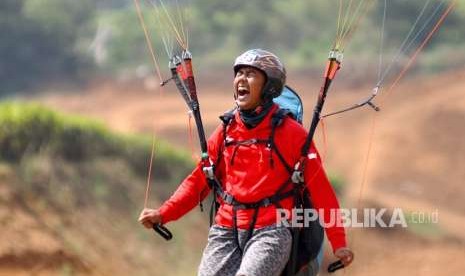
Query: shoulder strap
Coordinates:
[215,185]
[227,116]
[276,120]
[226,119]
[279,115]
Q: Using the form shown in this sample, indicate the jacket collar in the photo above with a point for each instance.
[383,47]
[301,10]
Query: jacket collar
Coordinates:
[264,124]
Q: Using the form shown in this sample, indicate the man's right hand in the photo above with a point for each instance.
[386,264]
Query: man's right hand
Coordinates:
[148,217]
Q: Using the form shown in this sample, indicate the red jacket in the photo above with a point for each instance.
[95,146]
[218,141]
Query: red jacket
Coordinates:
[251,177]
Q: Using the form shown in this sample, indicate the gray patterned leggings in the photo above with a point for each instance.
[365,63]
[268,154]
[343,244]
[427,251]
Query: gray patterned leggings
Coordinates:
[265,254]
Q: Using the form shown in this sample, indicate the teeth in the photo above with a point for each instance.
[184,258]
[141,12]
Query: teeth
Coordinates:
[242,91]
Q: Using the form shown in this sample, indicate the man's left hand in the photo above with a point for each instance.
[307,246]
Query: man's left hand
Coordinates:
[345,255]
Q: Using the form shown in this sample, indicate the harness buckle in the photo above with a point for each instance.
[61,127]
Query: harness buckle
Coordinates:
[266,202]
[209,172]
[298,174]
[229,199]
[297,177]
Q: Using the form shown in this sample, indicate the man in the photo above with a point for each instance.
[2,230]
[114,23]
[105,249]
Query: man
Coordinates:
[251,169]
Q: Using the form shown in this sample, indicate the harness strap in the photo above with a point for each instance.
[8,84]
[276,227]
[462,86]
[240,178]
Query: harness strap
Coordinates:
[213,208]
[276,120]
[252,223]
[214,184]
[237,205]
[272,200]
[280,156]
[235,230]
[251,226]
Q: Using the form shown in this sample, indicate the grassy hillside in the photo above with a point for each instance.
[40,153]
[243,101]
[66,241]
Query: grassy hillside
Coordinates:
[70,194]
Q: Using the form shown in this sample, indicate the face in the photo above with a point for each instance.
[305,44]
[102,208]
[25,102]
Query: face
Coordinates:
[248,85]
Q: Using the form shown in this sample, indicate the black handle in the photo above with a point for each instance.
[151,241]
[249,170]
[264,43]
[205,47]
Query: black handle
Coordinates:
[335,266]
[163,231]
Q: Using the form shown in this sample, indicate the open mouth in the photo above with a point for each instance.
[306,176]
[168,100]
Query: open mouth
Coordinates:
[242,91]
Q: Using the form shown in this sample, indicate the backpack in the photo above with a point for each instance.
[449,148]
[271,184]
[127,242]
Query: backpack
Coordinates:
[306,255]
[307,241]
[290,100]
